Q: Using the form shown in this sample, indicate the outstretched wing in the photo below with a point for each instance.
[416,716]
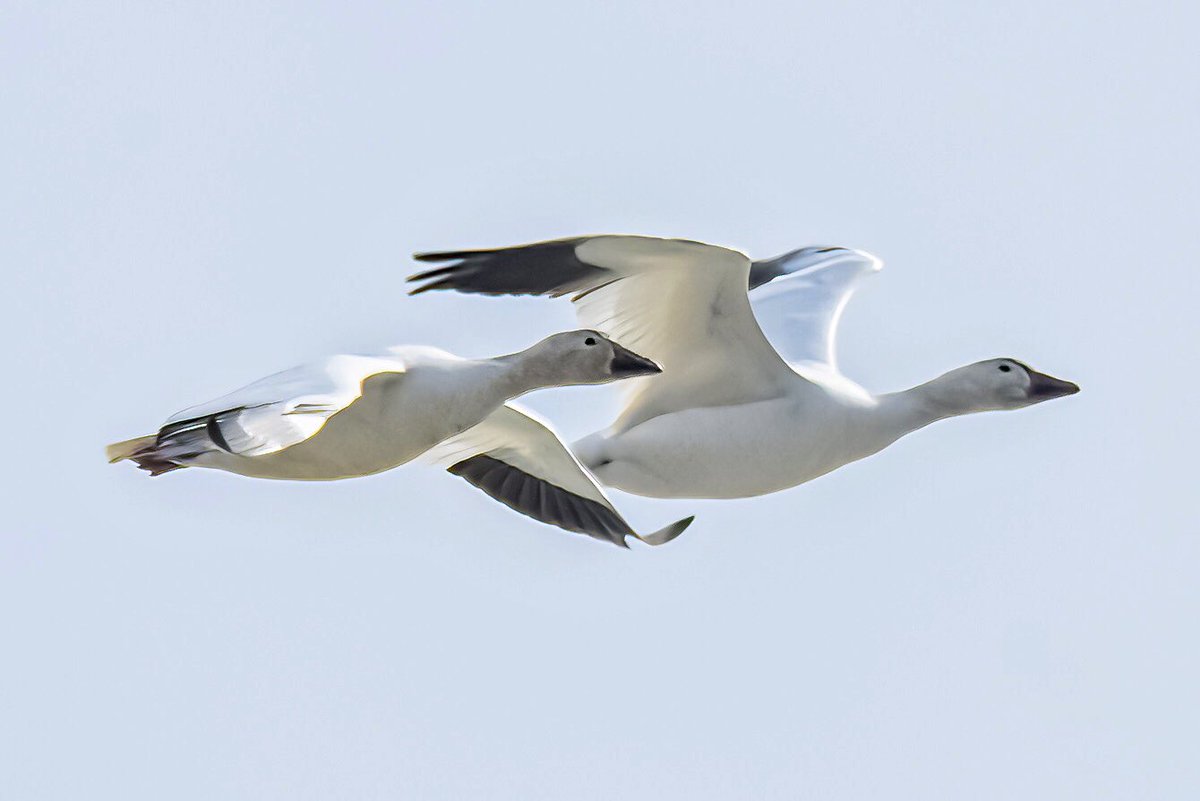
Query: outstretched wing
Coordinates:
[679,302]
[521,462]
[798,299]
[275,412]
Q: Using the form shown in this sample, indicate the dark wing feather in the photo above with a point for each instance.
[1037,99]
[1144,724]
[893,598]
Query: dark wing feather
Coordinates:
[542,500]
[766,270]
[546,268]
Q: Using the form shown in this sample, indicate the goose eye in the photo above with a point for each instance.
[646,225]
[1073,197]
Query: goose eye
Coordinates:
[1004,368]
[590,341]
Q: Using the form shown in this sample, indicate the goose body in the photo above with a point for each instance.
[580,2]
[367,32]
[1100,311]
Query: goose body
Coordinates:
[410,400]
[348,416]
[735,451]
[751,400]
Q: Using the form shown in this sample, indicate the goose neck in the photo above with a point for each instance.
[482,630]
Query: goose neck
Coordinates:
[520,372]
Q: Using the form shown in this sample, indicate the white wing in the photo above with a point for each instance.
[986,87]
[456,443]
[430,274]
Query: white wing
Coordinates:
[679,302]
[798,299]
[278,411]
[521,462]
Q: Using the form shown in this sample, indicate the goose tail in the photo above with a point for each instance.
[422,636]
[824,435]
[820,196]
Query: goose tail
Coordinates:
[143,451]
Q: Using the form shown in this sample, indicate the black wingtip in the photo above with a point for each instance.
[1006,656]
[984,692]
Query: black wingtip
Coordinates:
[444,275]
[539,499]
[444,283]
[447,255]
[542,268]
[436,272]
[417,290]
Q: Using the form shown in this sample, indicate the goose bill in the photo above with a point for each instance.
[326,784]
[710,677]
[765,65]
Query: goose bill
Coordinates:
[1047,387]
[626,363]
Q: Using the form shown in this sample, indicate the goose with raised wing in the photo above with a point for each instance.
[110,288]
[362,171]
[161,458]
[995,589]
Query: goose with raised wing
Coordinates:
[732,415]
[348,416]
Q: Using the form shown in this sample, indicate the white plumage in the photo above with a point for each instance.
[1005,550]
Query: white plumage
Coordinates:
[733,415]
[348,416]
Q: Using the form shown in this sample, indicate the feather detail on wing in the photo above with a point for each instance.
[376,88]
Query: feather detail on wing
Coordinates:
[798,300]
[679,302]
[521,462]
[278,411]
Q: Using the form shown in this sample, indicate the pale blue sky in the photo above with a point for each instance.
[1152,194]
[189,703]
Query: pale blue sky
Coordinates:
[999,607]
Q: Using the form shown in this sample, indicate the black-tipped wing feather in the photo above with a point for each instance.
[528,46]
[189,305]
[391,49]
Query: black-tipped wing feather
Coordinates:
[520,461]
[542,500]
[679,302]
[267,416]
[545,268]
[766,270]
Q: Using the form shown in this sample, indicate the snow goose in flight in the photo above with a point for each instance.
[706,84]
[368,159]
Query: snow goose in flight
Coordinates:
[731,416]
[348,416]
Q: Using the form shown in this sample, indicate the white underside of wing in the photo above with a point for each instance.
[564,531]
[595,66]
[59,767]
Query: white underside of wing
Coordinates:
[684,305]
[518,437]
[799,312]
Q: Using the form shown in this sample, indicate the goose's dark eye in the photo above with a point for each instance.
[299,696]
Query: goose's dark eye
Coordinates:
[590,341]
[1004,368]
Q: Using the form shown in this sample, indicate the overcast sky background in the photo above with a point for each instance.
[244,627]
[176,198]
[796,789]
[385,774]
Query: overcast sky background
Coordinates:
[998,607]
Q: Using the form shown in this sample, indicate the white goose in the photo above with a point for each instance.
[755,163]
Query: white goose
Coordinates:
[730,417]
[348,416]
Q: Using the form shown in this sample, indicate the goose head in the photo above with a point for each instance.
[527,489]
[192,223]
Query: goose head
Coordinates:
[585,357]
[995,385]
